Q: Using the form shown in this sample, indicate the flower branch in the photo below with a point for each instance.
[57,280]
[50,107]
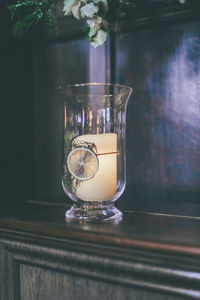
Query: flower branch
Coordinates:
[99,15]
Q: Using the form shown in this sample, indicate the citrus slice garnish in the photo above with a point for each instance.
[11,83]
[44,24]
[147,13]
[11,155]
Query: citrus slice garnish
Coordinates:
[82,163]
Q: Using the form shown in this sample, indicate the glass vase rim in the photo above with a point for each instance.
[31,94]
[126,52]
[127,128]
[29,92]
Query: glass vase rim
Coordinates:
[129,89]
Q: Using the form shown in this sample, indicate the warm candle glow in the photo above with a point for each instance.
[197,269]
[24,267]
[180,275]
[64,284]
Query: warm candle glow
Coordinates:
[102,187]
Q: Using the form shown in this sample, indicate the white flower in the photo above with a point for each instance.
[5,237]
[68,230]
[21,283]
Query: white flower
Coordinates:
[95,25]
[99,39]
[76,11]
[89,10]
[96,21]
[68,5]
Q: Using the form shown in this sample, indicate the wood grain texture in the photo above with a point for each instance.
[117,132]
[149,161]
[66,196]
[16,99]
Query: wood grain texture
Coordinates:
[102,267]
[153,13]
[180,234]
[40,284]
[163,116]
[3,274]
[9,276]
[148,252]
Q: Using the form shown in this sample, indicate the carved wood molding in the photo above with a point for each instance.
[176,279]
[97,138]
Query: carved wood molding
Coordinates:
[141,269]
[154,12]
[9,274]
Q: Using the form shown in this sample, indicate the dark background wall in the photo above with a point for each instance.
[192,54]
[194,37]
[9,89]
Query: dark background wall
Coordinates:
[163,137]
[157,55]
[15,115]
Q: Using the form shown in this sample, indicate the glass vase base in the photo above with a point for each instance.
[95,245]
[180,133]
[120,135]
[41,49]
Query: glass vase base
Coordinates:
[94,211]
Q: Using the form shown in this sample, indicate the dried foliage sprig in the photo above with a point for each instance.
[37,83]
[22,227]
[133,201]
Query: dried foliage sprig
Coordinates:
[100,15]
[27,13]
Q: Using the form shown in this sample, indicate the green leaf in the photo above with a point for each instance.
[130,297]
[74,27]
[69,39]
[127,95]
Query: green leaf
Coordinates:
[24,24]
[50,22]
[27,3]
[30,5]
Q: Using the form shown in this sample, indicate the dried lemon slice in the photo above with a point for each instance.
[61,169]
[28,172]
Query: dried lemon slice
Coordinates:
[82,163]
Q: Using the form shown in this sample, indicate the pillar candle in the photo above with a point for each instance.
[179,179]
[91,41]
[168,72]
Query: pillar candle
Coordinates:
[102,187]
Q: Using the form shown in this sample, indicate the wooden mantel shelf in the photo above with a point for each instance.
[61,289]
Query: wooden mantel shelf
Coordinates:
[137,230]
[150,251]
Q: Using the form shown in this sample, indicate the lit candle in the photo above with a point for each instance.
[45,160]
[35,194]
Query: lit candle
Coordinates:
[101,187]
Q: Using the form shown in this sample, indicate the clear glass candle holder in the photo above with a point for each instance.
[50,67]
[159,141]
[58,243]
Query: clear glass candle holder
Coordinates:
[94,162]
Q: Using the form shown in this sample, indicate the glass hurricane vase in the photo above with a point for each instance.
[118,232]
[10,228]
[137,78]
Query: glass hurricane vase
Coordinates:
[94,163]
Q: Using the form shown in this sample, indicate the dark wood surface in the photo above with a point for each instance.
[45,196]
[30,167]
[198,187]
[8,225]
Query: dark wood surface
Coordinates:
[165,233]
[144,256]
[163,115]
[35,286]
